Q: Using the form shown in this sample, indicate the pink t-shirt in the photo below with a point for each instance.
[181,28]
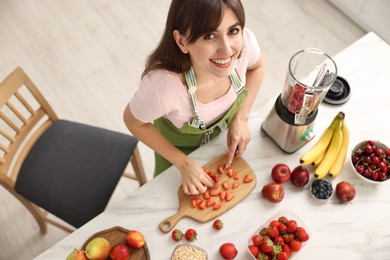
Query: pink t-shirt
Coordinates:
[162,94]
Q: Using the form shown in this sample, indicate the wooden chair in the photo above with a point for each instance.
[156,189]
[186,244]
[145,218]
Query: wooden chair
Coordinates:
[57,166]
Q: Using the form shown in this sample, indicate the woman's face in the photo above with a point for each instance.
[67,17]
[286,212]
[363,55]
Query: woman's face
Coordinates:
[216,52]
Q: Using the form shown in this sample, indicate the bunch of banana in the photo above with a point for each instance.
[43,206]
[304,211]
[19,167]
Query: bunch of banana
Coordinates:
[329,153]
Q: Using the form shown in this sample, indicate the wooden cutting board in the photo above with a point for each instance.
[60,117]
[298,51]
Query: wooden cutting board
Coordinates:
[186,208]
[116,235]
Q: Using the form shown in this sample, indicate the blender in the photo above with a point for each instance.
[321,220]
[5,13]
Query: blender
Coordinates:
[290,122]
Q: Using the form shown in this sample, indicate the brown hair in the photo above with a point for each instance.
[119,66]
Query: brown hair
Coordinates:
[198,17]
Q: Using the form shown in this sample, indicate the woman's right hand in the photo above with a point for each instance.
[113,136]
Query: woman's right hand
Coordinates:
[194,179]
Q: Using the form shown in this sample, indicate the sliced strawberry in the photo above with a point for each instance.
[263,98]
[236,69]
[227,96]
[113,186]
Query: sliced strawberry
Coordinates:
[222,195]
[248,179]
[216,178]
[225,185]
[210,202]
[214,192]
[229,196]
[230,173]
[217,205]
[236,176]
[209,172]
[202,205]
[235,185]
[220,169]
[206,195]
[194,202]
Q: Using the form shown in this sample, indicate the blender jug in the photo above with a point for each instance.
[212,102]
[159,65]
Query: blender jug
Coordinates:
[290,123]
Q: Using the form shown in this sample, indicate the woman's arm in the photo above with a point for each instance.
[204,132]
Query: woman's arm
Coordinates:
[239,134]
[194,178]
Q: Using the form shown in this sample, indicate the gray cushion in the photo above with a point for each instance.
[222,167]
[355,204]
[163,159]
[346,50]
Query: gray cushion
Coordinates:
[73,169]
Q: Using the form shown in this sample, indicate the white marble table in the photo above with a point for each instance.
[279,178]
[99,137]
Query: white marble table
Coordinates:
[355,230]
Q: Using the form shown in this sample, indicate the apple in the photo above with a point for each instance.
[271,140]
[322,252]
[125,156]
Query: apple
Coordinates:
[345,191]
[120,252]
[135,239]
[98,248]
[280,173]
[273,192]
[77,254]
[299,176]
[228,251]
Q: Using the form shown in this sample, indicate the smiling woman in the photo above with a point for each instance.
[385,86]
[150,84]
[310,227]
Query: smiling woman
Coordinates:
[202,79]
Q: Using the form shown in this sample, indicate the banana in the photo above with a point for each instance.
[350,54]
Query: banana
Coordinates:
[320,147]
[331,154]
[339,163]
[318,160]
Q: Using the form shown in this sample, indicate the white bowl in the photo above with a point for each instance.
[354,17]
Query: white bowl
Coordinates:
[364,178]
[186,251]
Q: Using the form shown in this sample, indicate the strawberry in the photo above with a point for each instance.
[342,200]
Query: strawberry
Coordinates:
[235,185]
[264,231]
[273,231]
[262,256]
[229,196]
[288,238]
[190,235]
[282,256]
[291,227]
[254,250]
[230,173]
[216,178]
[302,235]
[209,172]
[194,202]
[202,204]
[266,245]
[248,179]
[296,245]
[214,192]
[206,195]
[256,239]
[222,195]
[274,223]
[283,219]
[210,202]
[220,169]
[279,240]
[282,228]
[286,248]
[236,176]
[177,235]
[217,205]
[218,224]
[225,185]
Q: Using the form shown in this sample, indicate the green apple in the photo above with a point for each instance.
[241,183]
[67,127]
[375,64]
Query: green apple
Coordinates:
[98,248]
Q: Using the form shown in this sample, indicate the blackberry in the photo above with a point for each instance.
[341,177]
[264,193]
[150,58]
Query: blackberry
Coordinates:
[321,189]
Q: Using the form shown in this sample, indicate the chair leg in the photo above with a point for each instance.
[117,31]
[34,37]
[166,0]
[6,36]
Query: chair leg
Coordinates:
[138,167]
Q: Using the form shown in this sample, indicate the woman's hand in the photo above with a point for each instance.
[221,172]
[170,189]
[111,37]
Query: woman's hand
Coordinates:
[194,178]
[238,137]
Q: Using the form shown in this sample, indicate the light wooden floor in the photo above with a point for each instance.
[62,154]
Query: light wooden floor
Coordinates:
[87,57]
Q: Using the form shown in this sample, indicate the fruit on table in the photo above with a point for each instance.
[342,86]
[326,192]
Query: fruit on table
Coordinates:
[135,239]
[345,191]
[77,254]
[120,252]
[372,162]
[218,224]
[228,251]
[281,246]
[280,173]
[191,234]
[177,235]
[329,153]
[273,192]
[321,189]
[98,248]
[299,176]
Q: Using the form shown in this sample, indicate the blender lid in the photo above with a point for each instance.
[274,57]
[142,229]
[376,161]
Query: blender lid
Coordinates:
[338,93]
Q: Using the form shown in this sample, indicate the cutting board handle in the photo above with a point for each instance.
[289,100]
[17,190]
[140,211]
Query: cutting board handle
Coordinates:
[167,224]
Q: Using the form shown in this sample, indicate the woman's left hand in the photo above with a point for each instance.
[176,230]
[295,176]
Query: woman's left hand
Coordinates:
[238,137]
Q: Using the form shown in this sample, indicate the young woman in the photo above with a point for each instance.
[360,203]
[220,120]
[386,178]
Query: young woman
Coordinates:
[201,79]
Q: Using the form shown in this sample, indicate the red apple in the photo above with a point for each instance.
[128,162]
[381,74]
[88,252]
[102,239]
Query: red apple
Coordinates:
[280,173]
[345,191]
[299,176]
[228,251]
[120,252]
[273,192]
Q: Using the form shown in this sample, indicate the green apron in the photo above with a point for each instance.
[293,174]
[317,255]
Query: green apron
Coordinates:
[194,134]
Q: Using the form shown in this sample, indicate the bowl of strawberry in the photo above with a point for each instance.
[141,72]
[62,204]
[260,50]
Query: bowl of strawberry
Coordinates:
[281,237]
[370,160]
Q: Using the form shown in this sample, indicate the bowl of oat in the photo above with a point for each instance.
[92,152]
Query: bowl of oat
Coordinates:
[188,252]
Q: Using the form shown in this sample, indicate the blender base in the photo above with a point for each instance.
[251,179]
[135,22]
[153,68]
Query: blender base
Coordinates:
[288,137]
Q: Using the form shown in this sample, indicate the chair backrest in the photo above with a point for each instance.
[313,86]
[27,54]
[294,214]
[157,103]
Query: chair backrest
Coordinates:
[24,116]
